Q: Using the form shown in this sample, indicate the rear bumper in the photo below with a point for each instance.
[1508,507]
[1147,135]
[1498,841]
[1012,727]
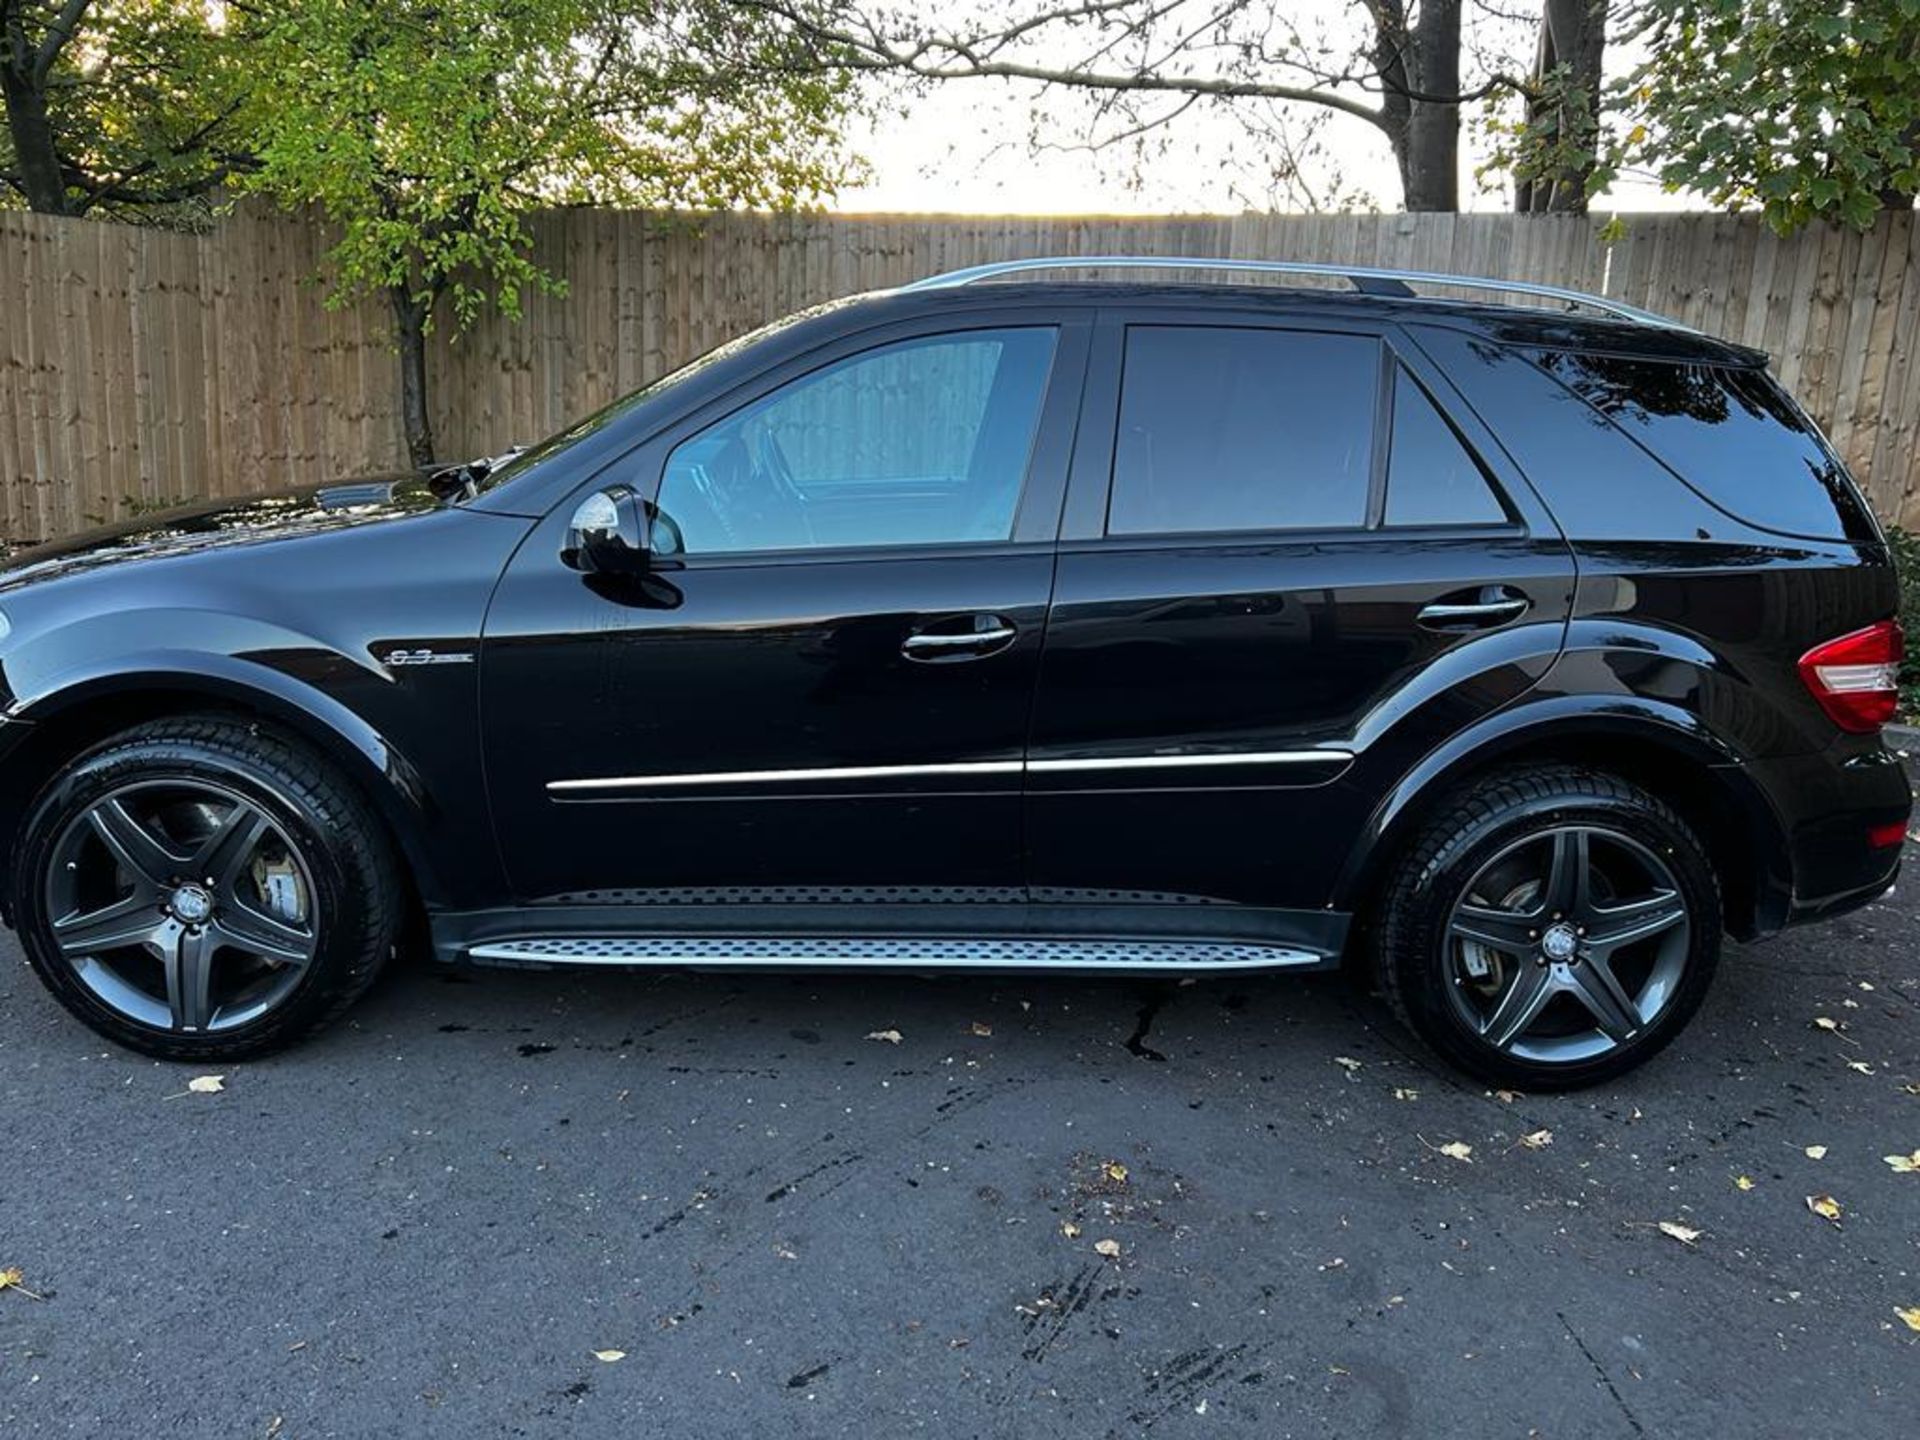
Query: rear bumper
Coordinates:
[1829,804]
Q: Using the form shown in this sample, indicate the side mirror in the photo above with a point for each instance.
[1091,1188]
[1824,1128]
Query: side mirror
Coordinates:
[609,533]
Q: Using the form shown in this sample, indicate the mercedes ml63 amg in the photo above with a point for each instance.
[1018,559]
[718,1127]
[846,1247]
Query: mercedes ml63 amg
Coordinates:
[1516,651]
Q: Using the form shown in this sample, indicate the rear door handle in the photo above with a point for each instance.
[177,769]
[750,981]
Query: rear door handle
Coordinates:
[989,634]
[1490,606]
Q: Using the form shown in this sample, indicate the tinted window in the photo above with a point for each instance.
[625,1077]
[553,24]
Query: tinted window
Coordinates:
[1432,478]
[921,442]
[1224,429]
[1731,433]
[1598,483]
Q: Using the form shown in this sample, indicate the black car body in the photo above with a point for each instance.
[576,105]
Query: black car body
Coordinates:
[1101,626]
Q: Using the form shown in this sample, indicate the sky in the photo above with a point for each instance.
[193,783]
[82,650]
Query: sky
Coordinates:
[969,145]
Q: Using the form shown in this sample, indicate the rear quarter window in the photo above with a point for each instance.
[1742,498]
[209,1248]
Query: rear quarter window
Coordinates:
[1729,432]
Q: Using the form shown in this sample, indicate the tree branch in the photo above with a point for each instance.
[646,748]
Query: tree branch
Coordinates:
[953,57]
[59,31]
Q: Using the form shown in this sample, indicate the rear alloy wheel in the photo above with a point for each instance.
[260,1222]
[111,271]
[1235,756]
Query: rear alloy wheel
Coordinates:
[203,889]
[1556,928]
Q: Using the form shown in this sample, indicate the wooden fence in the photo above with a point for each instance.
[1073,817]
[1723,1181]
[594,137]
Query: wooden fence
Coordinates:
[140,367]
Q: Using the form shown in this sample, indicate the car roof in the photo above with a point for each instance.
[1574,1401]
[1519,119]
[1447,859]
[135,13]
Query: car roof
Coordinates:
[1513,324]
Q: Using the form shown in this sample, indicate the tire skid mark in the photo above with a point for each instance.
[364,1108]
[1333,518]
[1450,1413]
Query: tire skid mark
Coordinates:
[844,1167]
[837,1162]
[1175,1386]
[1052,1322]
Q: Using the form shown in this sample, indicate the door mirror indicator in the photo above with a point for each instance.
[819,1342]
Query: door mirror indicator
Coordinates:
[609,533]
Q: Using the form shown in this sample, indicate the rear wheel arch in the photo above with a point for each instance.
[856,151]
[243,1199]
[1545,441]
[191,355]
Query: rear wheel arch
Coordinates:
[1702,782]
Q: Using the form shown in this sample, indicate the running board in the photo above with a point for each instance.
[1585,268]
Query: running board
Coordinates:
[916,953]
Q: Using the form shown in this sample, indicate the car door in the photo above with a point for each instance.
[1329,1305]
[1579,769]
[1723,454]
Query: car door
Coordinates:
[1291,563]
[819,693]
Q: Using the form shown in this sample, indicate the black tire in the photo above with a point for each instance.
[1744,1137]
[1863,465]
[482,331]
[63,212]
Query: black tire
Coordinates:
[350,895]
[1423,964]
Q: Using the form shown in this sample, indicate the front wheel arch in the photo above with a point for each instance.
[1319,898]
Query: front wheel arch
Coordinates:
[58,729]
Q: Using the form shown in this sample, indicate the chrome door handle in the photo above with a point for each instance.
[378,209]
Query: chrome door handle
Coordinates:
[994,635]
[1495,605]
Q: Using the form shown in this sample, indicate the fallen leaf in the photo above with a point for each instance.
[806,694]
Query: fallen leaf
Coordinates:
[1825,1206]
[980,1029]
[1861,1066]
[1457,1150]
[1069,1229]
[1115,1172]
[1904,1164]
[1816,1152]
[1743,1182]
[609,1356]
[1912,1317]
[13,1279]
[1825,1022]
[1910,1089]
[1685,1234]
[1507,1097]
[1402,1092]
[1538,1140]
[1347,1063]
[892,1037]
[1108,1248]
[207,1084]
[1866,985]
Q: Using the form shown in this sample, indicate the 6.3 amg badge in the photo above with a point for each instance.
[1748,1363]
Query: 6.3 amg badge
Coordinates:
[429,657]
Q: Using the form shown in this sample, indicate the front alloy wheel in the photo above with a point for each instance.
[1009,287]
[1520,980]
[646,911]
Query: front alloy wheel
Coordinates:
[181,906]
[204,888]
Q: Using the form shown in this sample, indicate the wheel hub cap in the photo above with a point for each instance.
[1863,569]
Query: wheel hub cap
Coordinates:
[1559,943]
[191,905]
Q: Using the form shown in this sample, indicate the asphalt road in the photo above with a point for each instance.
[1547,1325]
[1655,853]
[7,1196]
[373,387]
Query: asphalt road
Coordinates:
[427,1221]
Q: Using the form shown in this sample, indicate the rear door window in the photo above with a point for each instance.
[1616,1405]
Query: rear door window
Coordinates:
[1227,429]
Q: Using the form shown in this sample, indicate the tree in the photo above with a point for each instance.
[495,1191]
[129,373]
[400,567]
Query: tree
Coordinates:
[428,130]
[120,106]
[1808,109]
[1151,61]
[1556,160]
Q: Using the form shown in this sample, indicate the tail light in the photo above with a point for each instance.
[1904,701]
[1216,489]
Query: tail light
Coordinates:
[1856,678]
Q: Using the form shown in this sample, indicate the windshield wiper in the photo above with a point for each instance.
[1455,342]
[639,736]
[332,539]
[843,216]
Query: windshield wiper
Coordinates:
[456,483]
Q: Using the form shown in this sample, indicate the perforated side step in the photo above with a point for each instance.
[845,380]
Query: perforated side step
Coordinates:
[924,952]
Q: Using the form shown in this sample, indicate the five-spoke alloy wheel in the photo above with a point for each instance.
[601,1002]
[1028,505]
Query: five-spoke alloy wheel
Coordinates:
[1553,928]
[181,906]
[203,888]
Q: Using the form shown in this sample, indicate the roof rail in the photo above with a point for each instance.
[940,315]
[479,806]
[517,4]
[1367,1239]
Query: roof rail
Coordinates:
[1394,284]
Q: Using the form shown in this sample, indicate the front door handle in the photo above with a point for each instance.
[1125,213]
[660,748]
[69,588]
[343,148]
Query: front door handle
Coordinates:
[1482,609]
[968,638]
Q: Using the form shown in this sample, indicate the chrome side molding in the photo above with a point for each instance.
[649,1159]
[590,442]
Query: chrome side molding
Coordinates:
[1211,759]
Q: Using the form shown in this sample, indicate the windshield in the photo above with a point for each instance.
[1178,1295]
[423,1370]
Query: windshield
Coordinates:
[526,459]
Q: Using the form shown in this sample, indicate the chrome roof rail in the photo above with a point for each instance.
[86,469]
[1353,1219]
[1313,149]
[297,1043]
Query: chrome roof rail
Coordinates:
[1368,280]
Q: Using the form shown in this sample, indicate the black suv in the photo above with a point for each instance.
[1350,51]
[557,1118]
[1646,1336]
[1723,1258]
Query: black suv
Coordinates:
[1101,626]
